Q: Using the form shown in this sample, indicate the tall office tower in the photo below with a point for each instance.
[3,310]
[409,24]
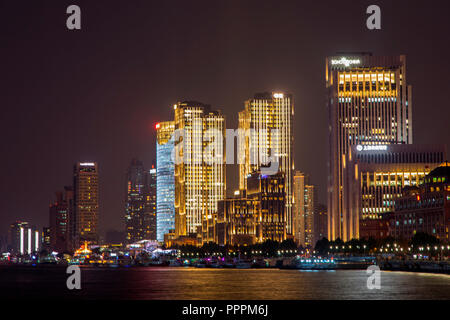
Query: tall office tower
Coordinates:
[165,179]
[59,218]
[140,203]
[199,166]
[298,209]
[267,121]
[303,209]
[310,209]
[369,103]
[150,208]
[23,238]
[86,202]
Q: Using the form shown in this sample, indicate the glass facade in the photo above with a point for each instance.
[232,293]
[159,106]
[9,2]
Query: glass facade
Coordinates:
[165,179]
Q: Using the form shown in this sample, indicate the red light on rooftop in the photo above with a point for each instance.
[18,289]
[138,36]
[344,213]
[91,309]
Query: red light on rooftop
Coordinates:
[157,126]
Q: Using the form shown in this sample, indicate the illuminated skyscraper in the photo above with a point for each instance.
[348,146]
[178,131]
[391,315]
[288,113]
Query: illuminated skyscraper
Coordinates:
[298,210]
[165,179]
[86,202]
[310,209]
[150,205]
[59,217]
[199,166]
[140,206]
[267,121]
[304,209]
[369,103]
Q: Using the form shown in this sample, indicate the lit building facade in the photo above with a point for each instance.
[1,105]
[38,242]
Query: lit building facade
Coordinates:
[23,238]
[298,208]
[140,203]
[374,177]
[369,103]
[86,203]
[269,192]
[150,206]
[199,166]
[303,209]
[238,221]
[424,208]
[310,209]
[253,215]
[266,125]
[165,179]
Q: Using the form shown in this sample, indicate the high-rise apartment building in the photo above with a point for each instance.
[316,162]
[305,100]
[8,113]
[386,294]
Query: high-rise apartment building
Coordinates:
[267,140]
[199,166]
[86,202]
[369,103]
[165,179]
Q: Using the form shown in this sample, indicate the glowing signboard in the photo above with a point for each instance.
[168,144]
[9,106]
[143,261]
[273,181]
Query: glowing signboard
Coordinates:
[87,164]
[371,147]
[344,61]
[278,95]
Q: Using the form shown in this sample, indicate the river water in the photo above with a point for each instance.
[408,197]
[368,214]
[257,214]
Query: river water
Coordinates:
[217,284]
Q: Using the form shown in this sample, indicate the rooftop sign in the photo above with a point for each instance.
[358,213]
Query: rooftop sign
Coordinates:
[87,164]
[344,61]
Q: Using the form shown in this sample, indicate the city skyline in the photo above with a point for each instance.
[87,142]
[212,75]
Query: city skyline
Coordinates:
[104,135]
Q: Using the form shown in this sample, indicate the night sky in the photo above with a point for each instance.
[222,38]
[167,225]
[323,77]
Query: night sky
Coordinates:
[96,94]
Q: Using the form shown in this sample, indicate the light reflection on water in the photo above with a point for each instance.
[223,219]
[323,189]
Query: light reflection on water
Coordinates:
[226,284]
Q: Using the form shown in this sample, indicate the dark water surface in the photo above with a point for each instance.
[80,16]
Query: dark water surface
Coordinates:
[217,284]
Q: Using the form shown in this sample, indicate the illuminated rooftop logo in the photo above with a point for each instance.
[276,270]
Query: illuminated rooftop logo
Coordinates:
[278,95]
[371,148]
[87,164]
[344,61]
